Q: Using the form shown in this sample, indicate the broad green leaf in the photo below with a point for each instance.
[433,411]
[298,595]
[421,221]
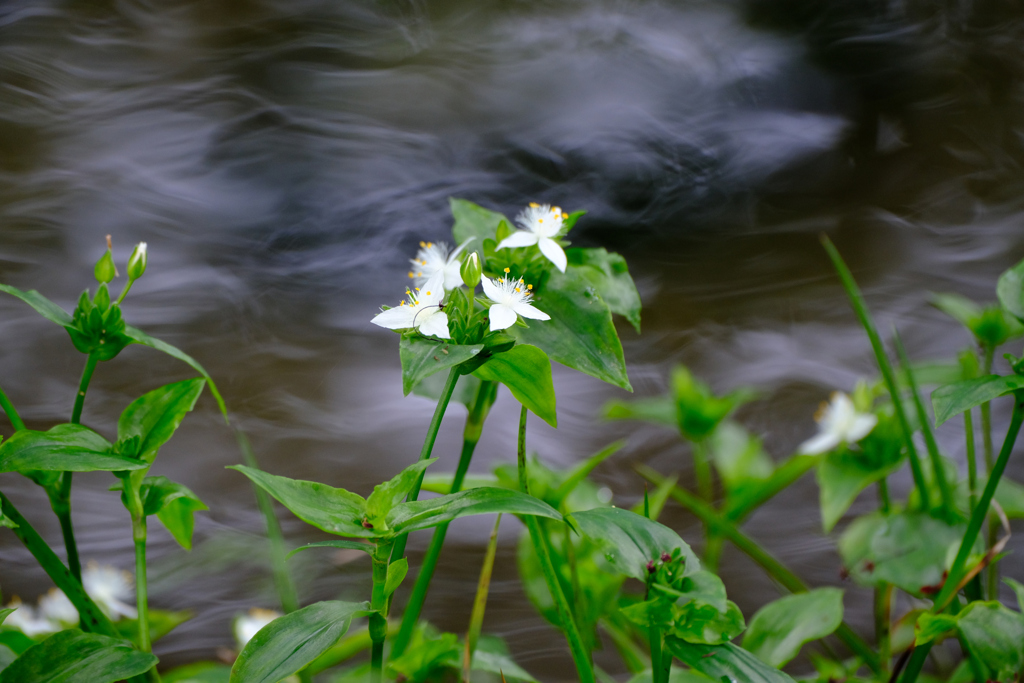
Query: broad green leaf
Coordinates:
[289,643]
[421,357]
[389,494]
[1010,290]
[727,663]
[174,505]
[423,514]
[995,634]
[75,657]
[66,448]
[154,416]
[336,511]
[752,494]
[991,325]
[442,483]
[7,656]
[931,626]
[340,545]
[704,588]
[608,273]
[953,399]
[779,629]
[140,337]
[631,540]
[676,675]
[908,550]
[703,624]
[660,410]
[526,371]
[1009,495]
[465,389]
[842,475]
[472,220]
[199,672]
[16,641]
[427,658]
[396,573]
[161,622]
[738,455]
[958,307]
[501,664]
[5,612]
[41,304]
[580,334]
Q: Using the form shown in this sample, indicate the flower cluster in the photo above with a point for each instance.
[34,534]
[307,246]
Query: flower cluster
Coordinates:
[437,273]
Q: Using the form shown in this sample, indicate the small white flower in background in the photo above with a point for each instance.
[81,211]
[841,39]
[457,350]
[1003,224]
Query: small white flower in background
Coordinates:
[511,299]
[55,607]
[24,619]
[540,225]
[108,586]
[434,257]
[838,422]
[422,311]
[247,625]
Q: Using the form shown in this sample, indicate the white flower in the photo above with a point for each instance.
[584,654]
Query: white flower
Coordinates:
[434,257]
[511,299]
[422,311]
[25,620]
[55,607]
[541,224]
[108,586]
[246,626]
[838,422]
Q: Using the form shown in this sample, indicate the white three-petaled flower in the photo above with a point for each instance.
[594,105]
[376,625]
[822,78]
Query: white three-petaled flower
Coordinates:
[422,311]
[838,422]
[248,625]
[109,587]
[511,299]
[541,224]
[434,257]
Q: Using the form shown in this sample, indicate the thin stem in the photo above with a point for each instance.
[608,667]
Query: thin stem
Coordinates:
[883,494]
[83,386]
[12,413]
[580,655]
[972,464]
[476,619]
[428,446]
[658,675]
[470,437]
[783,476]
[778,571]
[141,585]
[883,623]
[702,469]
[282,577]
[992,572]
[379,602]
[61,503]
[861,309]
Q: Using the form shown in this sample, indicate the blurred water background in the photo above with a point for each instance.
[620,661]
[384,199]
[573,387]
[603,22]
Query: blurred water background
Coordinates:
[282,158]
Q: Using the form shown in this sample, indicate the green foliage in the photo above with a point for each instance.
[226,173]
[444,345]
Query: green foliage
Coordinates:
[727,663]
[75,657]
[64,448]
[1010,290]
[609,275]
[952,399]
[991,325]
[287,644]
[153,418]
[778,630]
[422,357]
[631,541]
[699,411]
[174,505]
[995,635]
[526,371]
[161,622]
[843,473]
[427,658]
[396,573]
[739,456]
[338,545]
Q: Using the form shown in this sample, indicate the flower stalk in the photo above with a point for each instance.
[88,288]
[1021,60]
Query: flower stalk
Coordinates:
[379,603]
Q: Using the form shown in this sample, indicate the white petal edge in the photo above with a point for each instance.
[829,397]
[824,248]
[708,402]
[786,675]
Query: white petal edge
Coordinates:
[398,318]
[432,291]
[554,253]
[862,426]
[520,238]
[452,256]
[502,317]
[490,289]
[528,311]
[435,325]
[819,444]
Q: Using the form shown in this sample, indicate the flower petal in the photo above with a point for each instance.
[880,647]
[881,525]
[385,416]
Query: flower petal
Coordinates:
[861,427]
[455,254]
[553,251]
[432,291]
[397,318]
[528,311]
[452,276]
[821,443]
[435,324]
[502,317]
[491,290]
[520,238]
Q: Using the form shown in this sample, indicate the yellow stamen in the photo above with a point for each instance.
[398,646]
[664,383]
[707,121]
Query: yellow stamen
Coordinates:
[565,216]
[428,293]
[534,205]
[423,244]
[417,289]
[419,274]
[530,287]
[540,220]
[518,290]
[410,274]
[508,270]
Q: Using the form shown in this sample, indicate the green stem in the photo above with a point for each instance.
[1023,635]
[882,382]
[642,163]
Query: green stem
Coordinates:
[12,414]
[784,475]
[470,437]
[883,494]
[141,585]
[992,572]
[92,618]
[972,464]
[83,386]
[580,655]
[883,624]
[938,471]
[476,618]
[861,309]
[658,675]
[278,556]
[705,489]
[778,571]
[632,655]
[379,602]
[428,446]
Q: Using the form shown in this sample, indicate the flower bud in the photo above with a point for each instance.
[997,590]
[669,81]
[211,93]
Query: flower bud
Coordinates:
[105,270]
[137,262]
[471,270]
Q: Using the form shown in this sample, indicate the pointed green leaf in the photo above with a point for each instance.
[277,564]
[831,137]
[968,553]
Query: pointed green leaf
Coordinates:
[631,540]
[7,523]
[66,447]
[738,455]
[423,514]
[932,626]
[5,612]
[426,659]
[703,624]
[727,663]
[1018,590]
[154,416]
[526,371]
[174,505]
[575,476]
[341,545]
[289,643]
[472,220]
[842,475]
[958,307]
[580,334]
[779,629]
[1010,290]
[336,511]
[500,664]
[199,672]
[41,304]
[75,657]
[609,274]
[422,357]
[140,337]
[396,573]
[389,494]
[161,622]
[953,399]
[661,410]
[995,634]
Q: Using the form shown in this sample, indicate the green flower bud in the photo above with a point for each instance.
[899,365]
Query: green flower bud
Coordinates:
[137,262]
[471,270]
[105,270]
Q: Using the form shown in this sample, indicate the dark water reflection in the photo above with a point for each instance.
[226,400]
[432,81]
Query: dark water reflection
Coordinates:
[283,158]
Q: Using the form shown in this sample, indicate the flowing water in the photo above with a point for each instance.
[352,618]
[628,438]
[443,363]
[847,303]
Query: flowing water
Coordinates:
[282,160]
